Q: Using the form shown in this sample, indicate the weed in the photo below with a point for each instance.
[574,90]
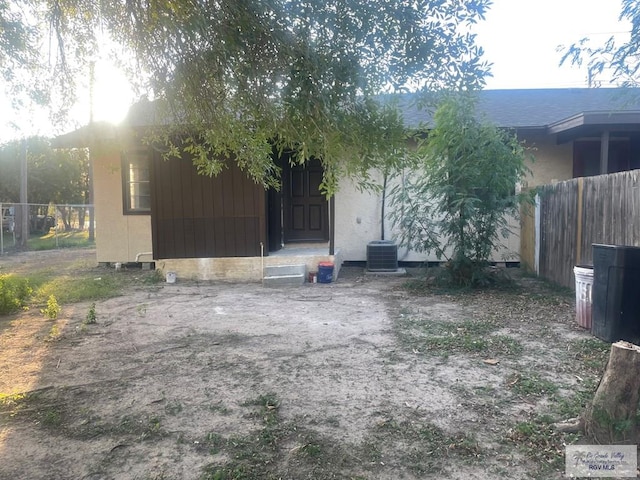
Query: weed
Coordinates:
[54,333]
[51,418]
[153,277]
[53,308]
[10,400]
[91,315]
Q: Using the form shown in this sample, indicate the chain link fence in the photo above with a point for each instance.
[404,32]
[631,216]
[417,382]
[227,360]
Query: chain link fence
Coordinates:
[41,225]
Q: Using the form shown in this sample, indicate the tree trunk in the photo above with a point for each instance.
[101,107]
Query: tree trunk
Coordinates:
[611,417]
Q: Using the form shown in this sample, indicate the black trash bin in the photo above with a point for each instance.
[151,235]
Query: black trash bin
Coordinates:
[616,293]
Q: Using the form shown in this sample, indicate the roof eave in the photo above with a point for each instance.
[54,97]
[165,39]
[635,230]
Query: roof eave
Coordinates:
[86,136]
[594,118]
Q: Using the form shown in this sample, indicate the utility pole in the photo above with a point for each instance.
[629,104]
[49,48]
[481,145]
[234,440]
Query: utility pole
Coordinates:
[24,207]
[90,179]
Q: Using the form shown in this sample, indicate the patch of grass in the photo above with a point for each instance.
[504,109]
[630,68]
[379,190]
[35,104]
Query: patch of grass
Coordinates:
[129,428]
[144,428]
[213,442]
[531,384]
[574,406]
[443,338]
[73,289]
[429,444]
[289,449]
[439,281]
[56,239]
[219,408]
[541,442]
[232,471]
[269,404]
[36,407]
[260,454]
[592,353]
[83,284]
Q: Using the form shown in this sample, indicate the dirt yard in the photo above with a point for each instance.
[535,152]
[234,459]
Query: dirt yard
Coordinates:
[358,379]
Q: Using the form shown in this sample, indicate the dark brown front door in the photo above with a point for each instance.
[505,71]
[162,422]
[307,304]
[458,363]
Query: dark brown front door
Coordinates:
[306,213]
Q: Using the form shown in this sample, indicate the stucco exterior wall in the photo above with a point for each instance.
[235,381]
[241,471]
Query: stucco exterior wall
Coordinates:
[119,237]
[553,163]
[359,221]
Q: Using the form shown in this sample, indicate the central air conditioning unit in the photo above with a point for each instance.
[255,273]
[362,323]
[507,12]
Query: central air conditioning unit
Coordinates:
[382,256]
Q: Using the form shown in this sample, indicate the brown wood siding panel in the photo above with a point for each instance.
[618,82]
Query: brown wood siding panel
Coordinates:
[200,237]
[163,191]
[196,216]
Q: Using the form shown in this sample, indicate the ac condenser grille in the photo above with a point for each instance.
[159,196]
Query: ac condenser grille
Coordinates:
[382,256]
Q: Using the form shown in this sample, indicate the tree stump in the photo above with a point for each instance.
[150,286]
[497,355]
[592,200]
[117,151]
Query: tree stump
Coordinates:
[611,417]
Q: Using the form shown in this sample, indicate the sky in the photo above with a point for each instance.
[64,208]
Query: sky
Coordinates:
[519,37]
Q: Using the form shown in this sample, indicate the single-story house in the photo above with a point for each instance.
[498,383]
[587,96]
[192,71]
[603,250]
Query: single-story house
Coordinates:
[229,228]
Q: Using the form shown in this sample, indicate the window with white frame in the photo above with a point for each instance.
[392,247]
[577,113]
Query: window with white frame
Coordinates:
[136,186]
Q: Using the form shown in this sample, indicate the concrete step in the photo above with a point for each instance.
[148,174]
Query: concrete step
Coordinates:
[283,280]
[279,275]
[279,270]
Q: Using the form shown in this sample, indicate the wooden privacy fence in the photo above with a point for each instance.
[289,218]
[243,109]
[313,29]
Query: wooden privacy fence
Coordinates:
[570,216]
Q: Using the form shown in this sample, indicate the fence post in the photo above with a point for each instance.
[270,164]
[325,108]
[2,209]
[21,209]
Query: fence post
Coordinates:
[55,228]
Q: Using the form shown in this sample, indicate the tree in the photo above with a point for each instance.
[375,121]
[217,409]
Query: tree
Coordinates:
[619,59]
[301,74]
[460,191]
[54,176]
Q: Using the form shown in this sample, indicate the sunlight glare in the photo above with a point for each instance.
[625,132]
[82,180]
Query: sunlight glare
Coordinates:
[113,94]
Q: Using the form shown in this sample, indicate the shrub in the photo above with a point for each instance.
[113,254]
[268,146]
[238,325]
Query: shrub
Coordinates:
[14,292]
